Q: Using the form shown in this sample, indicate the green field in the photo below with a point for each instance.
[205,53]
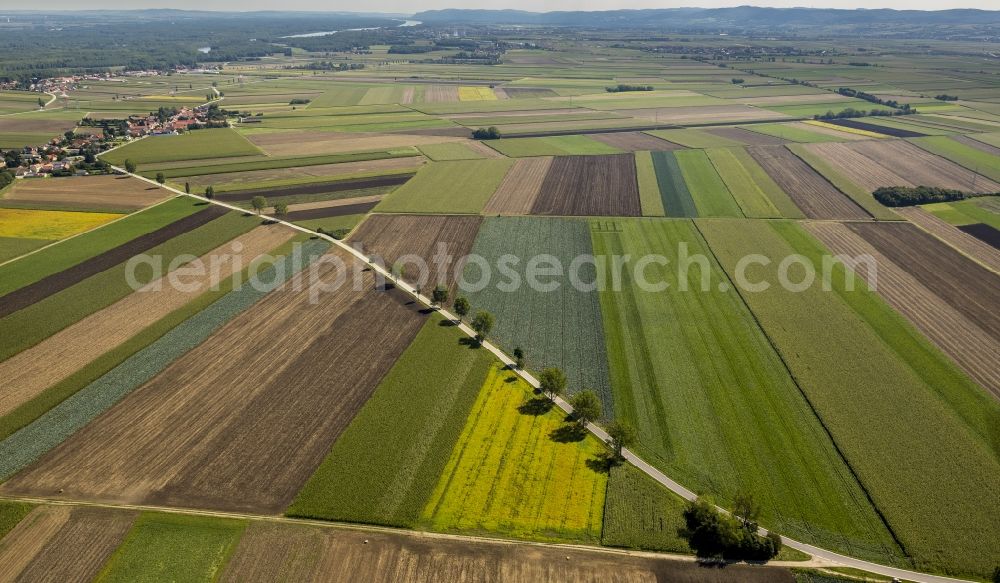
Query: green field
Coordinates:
[174,547]
[676,198]
[692,138]
[11,513]
[196,145]
[756,193]
[416,415]
[509,475]
[722,415]
[791,133]
[984,210]
[555,328]
[450,151]
[920,436]
[973,159]
[639,513]
[575,145]
[649,190]
[11,247]
[275,163]
[858,194]
[710,194]
[811,109]
[461,187]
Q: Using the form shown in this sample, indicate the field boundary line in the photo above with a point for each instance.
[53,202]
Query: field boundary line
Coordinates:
[597,431]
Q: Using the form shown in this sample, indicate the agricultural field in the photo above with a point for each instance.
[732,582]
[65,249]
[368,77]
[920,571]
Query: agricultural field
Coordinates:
[49,225]
[575,145]
[202,144]
[587,185]
[812,193]
[88,193]
[711,195]
[448,187]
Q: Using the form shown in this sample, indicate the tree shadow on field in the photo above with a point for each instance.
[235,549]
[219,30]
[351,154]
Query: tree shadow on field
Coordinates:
[535,407]
[199,203]
[470,342]
[603,462]
[568,433]
[446,323]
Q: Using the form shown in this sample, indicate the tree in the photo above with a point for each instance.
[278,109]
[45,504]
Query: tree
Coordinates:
[707,531]
[187,187]
[209,193]
[746,510]
[130,166]
[482,323]
[461,307]
[160,178]
[41,103]
[620,436]
[439,296]
[552,382]
[280,209]
[490,133]
[586,407]
[258,203]
[519,358]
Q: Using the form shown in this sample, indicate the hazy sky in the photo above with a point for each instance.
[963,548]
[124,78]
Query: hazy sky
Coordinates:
[409,6]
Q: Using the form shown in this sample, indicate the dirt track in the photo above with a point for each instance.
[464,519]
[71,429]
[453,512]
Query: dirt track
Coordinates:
[960,338]
[87,192]
[590,186]
[520,187]
[240,422]
[55,283]
[30,372]
[393,236]
[817,198]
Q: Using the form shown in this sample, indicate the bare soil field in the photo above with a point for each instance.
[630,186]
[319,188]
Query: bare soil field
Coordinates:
[80,548]
[746,136]
[322,204]
[322,170]
[393,236]
[520,187]
[26,124]
[960,338]
[971,246]
[440,93]
[636,142]
[309,143]
[26,540]
[703,114]
[358,208]
[984,233]
[858,167]
[219,428]
[817,198]
[270,552]
[460,132]
[43,288]
[922,167]
[30,372]
[87,192]
[590,186]
[316,188]
[964,284]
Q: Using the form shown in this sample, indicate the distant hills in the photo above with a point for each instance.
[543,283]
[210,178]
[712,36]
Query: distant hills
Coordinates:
[715,18]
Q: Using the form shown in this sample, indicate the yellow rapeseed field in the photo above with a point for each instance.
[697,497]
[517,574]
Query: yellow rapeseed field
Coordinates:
[856,131]
[37,224]
[476,94]
[507,475]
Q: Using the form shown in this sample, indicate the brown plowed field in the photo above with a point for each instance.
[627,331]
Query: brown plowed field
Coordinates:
[316,188]
[440,93]
[746,136]
[393,236]
[961,339]
[590,186]
[27,124]
[520,187]
[344,210]
[317,143]
[817,198]
[857,167]
[968,287]
[322,170]
[87,192]
[322,204]
[81,547]
[55,283]
[26,540]
[30,372]
[242,421]
[971,246]
[286,552]
[922,167]
[983,232]
[636,142]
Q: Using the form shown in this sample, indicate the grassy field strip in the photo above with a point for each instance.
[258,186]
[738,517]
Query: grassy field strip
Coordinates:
[692,138]
[711,197]
[510,474]
[676,198]
[210,143]
[976,160]
[639,513]
[448,187]
[49,430]
[12,248]
[830,126]
[756,193]
[279,163]
[573,145]
[918,433]
[722,414]
[450,151]
[649,190]
[418,412]
[61,255]
[561,328]
[862,197]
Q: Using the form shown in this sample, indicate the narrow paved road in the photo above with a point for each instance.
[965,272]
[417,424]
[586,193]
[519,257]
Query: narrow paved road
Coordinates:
[816,552]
